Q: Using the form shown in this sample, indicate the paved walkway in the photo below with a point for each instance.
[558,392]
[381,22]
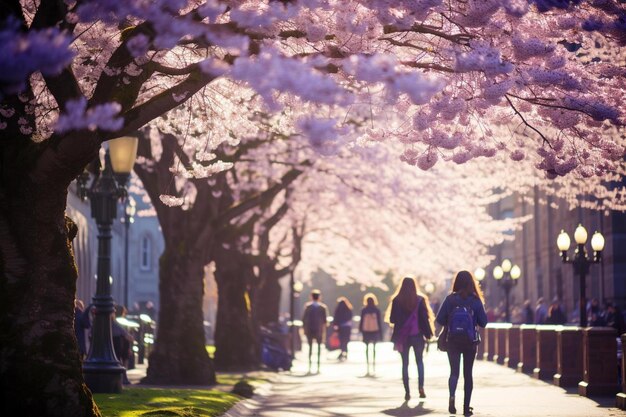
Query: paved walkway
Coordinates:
[341,389]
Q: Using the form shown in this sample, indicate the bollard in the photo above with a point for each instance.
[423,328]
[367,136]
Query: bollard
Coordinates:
[500,342]
[599,362]
[512,347]
[480,349]
[620,398]
[569,357]
[545,366]
[527,348]
[490,342]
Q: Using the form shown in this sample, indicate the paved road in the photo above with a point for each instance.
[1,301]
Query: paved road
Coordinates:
[341,389]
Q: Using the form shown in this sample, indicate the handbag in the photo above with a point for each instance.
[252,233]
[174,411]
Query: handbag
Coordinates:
[442,339]
[409,328]
[333,343]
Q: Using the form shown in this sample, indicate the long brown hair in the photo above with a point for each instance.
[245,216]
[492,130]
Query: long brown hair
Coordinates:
[406,294]
[465,284]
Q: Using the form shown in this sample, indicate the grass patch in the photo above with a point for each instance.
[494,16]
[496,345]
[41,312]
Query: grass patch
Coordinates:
[163,402]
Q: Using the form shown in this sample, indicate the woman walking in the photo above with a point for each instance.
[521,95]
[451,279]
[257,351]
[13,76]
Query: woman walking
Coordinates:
[342,322]
[412,321]
[370,327]
[461,312]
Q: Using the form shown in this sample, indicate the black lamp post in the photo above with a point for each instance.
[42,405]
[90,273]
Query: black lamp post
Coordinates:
[295,290]
[101,369]
[129,212]
[580,262]
[506,276]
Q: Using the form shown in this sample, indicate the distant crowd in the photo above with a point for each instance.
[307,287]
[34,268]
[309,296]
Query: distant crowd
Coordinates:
[598,314]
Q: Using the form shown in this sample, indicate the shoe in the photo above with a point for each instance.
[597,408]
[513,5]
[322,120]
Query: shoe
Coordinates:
[407,396]
[468,411]
[422,393]
[451,407]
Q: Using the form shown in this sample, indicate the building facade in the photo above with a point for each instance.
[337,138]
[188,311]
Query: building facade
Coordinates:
[145,245]
[543,272]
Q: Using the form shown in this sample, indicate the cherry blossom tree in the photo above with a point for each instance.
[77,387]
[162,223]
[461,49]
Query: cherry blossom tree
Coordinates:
[442,78]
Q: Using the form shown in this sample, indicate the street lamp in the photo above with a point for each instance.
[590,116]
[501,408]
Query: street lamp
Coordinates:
[101,369]
[129,212]
[296,288]
[506,275]
[580,262]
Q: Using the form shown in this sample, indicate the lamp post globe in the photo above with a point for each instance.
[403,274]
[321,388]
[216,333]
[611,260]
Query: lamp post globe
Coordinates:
[479,274]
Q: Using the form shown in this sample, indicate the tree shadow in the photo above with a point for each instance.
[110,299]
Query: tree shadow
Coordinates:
[406,411]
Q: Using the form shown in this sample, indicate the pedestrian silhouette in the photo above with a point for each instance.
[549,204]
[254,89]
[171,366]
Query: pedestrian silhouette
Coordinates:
[371,327]
[412,321]
[461,312]
[314,325]
[342,323]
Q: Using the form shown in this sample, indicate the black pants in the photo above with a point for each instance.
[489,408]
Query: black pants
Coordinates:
[454,357]
[344,337]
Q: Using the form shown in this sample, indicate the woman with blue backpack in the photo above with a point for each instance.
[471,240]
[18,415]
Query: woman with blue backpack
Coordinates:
[412,321]
[461,312]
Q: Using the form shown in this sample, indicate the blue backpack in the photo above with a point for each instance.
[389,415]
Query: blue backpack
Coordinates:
[461,330]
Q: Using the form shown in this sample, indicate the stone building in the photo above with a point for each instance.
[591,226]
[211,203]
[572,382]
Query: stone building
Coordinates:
[543,272]
[145,244]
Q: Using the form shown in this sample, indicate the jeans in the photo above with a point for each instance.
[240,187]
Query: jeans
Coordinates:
[454,357]
[417,343]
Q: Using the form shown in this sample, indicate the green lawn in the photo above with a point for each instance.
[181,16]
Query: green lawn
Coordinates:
[160,402]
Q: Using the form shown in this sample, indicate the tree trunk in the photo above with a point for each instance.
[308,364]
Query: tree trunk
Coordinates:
[180,355]
[40,368]
[266,305]
[235,341]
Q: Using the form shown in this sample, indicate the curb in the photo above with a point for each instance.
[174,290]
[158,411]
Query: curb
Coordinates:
[248,407]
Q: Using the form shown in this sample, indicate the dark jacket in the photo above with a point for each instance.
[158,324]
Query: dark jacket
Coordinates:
[453,300]
[314,319]
[342,316]
[399,316]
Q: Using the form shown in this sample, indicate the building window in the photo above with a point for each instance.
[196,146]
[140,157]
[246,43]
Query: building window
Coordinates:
[146,253]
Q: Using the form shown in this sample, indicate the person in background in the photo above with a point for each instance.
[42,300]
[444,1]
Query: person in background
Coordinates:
[466,299]
[555,313]
[613,318]
[595,314]
[371,327]
[314,324]
[529,314]
[122,340]
[412,321]
[342,322]
[81,324]
[541,311]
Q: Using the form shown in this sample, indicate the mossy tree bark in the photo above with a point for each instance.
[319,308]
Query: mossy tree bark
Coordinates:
[179,355]
[267,291]
[236,346]
[195,229]
[40,367]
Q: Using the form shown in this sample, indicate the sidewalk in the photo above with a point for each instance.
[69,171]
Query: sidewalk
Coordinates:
[341,389]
